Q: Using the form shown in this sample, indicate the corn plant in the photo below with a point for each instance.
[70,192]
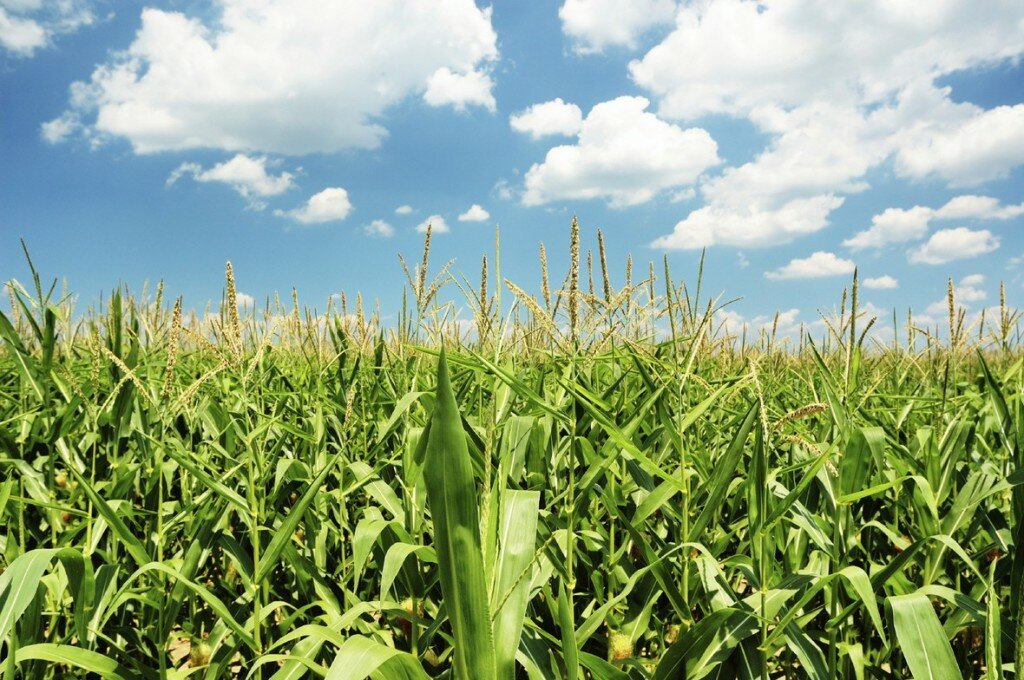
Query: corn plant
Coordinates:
[590,482]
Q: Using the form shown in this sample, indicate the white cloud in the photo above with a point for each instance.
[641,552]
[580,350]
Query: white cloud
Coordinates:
[839,89]
[596,24]
[960,243]
[885,282]
[330,205]
[750,226]
[978,207]
[894,225]
[732,56]
[817,149]
[741,261]
[57,130]
[460,89]
[22,5]
[246,175]
[503,190]
[970,289]
[548,118]
[790,188]
[21,36]
[379,228]
[29,25]
[977,146]
[437,224]
[683,195]
[899,225]
[816,265]
[245,300]
[403,210]
[624,155]
[476,213]
[284,76]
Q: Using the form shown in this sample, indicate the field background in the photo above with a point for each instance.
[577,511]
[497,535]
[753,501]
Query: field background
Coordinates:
[598,480]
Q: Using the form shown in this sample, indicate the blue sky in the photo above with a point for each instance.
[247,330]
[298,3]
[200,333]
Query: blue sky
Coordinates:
[792,139]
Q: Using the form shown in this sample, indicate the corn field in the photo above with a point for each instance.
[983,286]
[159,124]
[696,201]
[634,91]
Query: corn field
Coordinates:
[586,482]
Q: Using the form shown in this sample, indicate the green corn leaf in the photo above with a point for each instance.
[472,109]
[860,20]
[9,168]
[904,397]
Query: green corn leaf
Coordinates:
[921,638]
[84,659]
[452,498]
[993,629]
[517,538]
[361,657]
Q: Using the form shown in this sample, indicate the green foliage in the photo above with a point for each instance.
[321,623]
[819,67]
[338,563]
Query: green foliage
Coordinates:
[288,495]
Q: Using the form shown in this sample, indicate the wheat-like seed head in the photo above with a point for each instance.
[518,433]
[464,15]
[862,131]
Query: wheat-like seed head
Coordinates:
[910,329]
[539,316]
[545,284]
[590,273]
[864,333]
[172,348]
[159,295]
[129,374]
[650,282]
[15,308]
[483,285]
[574,276]
[360,318]
[190,393]
[802,412]
[421,281]
[605,278]
[951,312]
[484,303]
[236,325]
[842,312]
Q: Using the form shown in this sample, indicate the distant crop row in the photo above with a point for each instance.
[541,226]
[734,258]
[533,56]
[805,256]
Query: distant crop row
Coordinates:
[595,482]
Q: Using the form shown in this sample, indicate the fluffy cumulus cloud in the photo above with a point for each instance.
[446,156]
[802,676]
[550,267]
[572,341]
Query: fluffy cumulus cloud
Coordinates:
[971,206]
[460,89]
[734,56]
[959,243]
[593,25]
[894,225]
[816,265]
[884,282]
[751,225]
[970,289]
[404,210]
[20,35]
[555,117]
[838,90]
[247,175]
[436,223]
[330,205]
[900,225]
[967,148]
[379,228]
[791,187]
[476,213]
[285,76]
[623,154]
[29,25]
